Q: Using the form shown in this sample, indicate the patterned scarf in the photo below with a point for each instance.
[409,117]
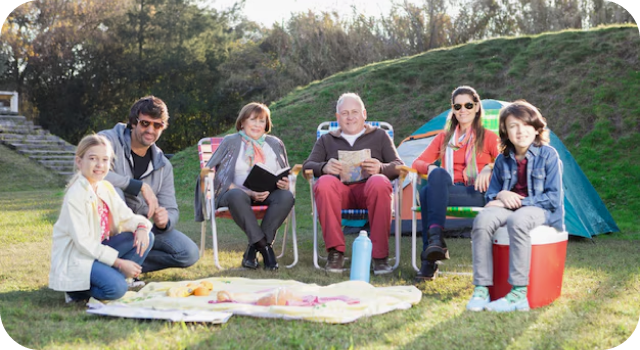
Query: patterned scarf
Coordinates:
[470,171]
[253,149]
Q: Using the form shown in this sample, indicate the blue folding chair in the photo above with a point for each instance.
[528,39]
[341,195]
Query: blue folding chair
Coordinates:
[360,215]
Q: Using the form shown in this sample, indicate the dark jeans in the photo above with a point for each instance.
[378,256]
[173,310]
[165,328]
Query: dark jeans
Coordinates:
[279,201]
[172,248]
[440,193]
[107,282]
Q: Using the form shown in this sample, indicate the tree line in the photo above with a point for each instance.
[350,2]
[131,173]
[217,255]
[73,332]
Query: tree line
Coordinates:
[78,65]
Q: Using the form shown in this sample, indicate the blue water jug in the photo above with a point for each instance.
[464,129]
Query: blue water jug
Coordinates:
[361,258]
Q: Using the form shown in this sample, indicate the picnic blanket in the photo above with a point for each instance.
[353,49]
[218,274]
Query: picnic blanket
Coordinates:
[336,303]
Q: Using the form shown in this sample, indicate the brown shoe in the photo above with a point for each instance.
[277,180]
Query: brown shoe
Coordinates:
[381,267]
[335,261]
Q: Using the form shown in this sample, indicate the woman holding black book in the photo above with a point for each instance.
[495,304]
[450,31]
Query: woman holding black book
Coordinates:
[233,161]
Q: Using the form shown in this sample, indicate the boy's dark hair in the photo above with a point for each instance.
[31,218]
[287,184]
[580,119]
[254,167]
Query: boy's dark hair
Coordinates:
[528,114]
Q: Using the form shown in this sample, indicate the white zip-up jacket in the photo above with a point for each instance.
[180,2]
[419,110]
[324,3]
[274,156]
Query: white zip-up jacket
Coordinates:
[76,234]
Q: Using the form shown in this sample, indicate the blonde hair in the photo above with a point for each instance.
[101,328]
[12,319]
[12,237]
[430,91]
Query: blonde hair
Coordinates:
[83,146]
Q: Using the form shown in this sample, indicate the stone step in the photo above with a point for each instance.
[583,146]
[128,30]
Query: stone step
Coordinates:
[42,145]
[11,137]
[46,153]
[56,162]
[60,167]
[16,129]
[48,157]
[15,118]
[66,174]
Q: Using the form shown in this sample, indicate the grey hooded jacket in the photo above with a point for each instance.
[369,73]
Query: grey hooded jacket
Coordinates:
[159,176]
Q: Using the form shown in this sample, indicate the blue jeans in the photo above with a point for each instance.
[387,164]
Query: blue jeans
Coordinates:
[171,249]
[438,194]
[107,282]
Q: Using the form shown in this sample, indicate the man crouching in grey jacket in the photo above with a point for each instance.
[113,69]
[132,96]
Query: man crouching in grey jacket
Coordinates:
[144,178]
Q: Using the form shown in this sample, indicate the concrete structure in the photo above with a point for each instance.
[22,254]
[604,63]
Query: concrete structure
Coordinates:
[8,101]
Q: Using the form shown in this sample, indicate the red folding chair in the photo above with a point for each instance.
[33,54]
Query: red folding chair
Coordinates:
[206,147]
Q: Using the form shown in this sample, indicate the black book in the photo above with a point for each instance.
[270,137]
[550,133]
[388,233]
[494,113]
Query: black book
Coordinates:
[261,179]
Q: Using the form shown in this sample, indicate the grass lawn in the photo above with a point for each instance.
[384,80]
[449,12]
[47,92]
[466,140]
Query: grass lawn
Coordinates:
[599,306]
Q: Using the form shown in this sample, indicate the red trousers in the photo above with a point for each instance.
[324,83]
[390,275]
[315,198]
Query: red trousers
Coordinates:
[332,196]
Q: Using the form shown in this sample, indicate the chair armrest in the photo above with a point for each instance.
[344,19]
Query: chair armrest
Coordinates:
[405,170]
[308,174]
[296,169]
[205,172]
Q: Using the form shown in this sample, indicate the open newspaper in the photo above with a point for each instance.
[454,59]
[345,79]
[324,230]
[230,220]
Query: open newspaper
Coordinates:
[352,165]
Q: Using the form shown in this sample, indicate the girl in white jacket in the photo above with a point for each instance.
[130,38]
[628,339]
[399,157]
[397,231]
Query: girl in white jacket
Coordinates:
[97,241]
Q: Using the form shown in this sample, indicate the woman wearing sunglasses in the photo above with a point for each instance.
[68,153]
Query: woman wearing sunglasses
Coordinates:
[466,152]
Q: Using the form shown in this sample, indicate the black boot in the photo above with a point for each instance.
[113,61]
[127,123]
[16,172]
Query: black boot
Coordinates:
[269,258]
[428,271]
[249,259]
[437,248]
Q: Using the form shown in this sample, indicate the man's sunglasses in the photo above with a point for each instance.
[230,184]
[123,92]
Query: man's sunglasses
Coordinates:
[467,105]
[146,123]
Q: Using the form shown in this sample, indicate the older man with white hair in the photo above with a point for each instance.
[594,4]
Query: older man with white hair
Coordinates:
[372,193]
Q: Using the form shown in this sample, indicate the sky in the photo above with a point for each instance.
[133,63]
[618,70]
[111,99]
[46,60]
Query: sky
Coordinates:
[269,11]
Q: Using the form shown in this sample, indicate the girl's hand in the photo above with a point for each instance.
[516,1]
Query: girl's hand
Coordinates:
[283,183]
[128,268]
[511,200]
[141,240]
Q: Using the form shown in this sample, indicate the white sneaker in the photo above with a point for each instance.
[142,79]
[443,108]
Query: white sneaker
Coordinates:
[67,298]
[135,283]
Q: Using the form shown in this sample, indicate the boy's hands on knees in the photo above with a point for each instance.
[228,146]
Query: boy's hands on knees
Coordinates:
[511,200]
[495,203]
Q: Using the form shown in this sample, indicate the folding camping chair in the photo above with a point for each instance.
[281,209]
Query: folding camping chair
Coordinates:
[355,214]
[491,122]
[206,147]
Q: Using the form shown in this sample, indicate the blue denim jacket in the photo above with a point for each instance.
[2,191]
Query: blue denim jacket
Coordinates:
[544,181]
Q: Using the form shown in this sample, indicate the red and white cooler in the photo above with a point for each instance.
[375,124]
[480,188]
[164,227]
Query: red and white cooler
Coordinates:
[548,253]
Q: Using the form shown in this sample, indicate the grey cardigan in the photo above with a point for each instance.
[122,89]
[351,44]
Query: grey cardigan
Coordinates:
[224,162]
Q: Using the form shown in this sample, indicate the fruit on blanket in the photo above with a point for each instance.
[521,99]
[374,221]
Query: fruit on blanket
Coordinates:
[207,284]
[279,297]
[179,292]
[223,296]
[201,291]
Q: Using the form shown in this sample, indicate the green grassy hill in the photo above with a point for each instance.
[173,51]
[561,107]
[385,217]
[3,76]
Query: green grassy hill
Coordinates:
[584,82]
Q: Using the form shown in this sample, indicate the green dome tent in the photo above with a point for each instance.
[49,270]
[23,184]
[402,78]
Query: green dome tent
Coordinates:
[585,213]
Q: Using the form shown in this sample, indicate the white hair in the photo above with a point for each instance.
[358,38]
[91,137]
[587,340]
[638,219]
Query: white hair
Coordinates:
[348,95]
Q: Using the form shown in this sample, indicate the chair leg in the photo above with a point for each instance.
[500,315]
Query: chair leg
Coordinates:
[414,225]
[203,234]
[284,237]
[315,238]
[294,242]
[214,230]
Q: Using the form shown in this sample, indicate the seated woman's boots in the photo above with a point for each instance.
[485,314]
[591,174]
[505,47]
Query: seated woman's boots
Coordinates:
[269,258]
[249,259]
[437,248]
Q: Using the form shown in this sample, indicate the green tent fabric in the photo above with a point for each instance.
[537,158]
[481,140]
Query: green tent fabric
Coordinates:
[585,213]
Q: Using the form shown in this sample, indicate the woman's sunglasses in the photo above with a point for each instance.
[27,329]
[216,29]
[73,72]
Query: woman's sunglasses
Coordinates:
[146,123]
[467,105]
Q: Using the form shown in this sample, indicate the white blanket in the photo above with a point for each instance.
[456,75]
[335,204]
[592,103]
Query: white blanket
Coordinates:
[337,303]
